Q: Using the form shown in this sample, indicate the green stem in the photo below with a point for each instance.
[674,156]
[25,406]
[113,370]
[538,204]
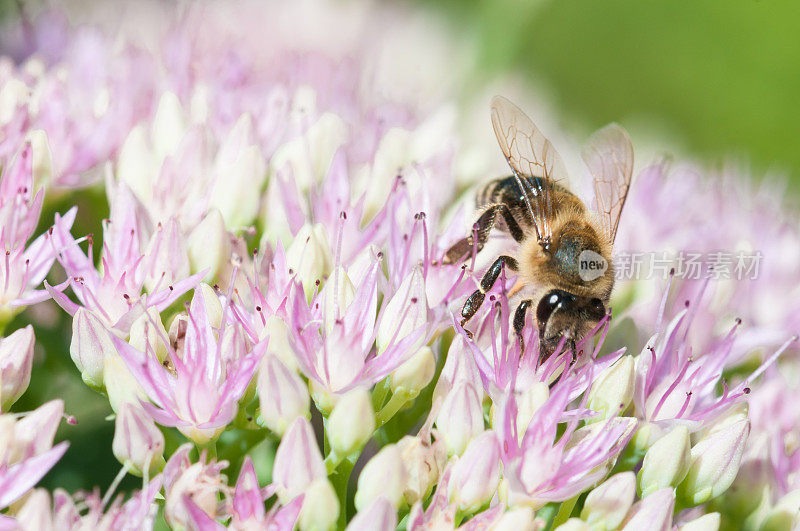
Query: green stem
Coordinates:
[564,512]
[395,404]
[379,395]
[339,480]
[332,462]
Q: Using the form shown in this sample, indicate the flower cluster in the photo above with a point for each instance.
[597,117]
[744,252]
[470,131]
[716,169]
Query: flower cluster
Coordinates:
[270,319]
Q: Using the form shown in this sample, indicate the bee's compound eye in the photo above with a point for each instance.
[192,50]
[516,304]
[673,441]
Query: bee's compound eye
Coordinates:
[547,305]
[596,309]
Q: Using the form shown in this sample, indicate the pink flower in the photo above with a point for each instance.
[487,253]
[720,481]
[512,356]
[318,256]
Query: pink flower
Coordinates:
[208,373]
[23,266]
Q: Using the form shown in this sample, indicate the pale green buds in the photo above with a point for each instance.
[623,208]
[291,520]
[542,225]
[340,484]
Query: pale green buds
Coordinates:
[138,443]
[612,391]
[476,474]
[384,475]
[715,461]
[351,423]
[424,463]
[415,374]
[282,394]
[666,462]
[606,506]
[309,256]
[707,522]
[320,507]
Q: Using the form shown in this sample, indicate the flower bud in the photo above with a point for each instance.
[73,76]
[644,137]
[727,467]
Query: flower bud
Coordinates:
[137,164]
[715,463]
[518,519]
[652,513]
[309,256]
[405,312]
[121,386]
[298,461]
[282,395]
[148,332]
[351,422]
[208,245]
[165,260]
[707,522]
[16,361]
[278,333]
[320,507]
[424,463]
[415,374]
[461,417]
[666,462]
[89,347]
[137,441]
[606,506]
[612,391]
[476,474]
[574,524]
[169,125]
[42,164]
[380,514]
[528,403]
[384,475]
[785,514]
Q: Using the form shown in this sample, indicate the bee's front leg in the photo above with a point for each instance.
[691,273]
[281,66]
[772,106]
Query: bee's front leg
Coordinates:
[519,323]
[492,274]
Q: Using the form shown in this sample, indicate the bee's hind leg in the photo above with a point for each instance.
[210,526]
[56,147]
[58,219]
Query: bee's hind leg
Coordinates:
[492,274]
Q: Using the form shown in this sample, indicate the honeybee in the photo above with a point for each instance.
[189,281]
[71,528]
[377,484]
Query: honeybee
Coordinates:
[563,254]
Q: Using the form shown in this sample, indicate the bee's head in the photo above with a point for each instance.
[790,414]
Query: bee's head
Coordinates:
[563,314]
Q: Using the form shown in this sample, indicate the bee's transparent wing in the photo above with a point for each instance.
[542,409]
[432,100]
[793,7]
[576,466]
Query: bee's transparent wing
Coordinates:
[609,156]
[536,163]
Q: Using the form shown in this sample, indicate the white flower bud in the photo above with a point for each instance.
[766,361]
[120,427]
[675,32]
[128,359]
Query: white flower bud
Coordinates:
[16,362]
[241,170]
[707,522]
[405,312]
[461,417]
[379,515]
[476,474]
[320,507]
[276,329]
[351,423]
[298,462]
[169,125]
[148,331]
[137,165]
[574,524]
[666,462]
[137,441]
[415,374]
[121,385]
[13,94]
[90,346]
[528,403]
[518,519]
[612,391]
[384,475]
[208,245]
[715,463]
[424,463]
[652,513]
[785,514]
[309,256]
[282,394]
[606,506]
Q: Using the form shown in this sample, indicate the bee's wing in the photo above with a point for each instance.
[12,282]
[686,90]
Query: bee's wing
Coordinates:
[529,154]
[609,156]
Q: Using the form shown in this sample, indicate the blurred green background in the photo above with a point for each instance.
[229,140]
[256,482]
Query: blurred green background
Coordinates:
[715,80]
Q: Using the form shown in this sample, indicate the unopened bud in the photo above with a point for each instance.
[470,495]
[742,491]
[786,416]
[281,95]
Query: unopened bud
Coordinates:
[653,512]
[380,514]
[666,462]
[476,474]
[384,475]
[351,423]
[148,332]
[298,461]
[137,441]
[461,417]
[715,463]
[121,385]
[337,296]
[606,506]
[415,374]
[208,245]
[707,522]
[309,256]
[612,391]
[518,519]
[90,346]
[282,395]
[16,361]
[320,507]
[574,524]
